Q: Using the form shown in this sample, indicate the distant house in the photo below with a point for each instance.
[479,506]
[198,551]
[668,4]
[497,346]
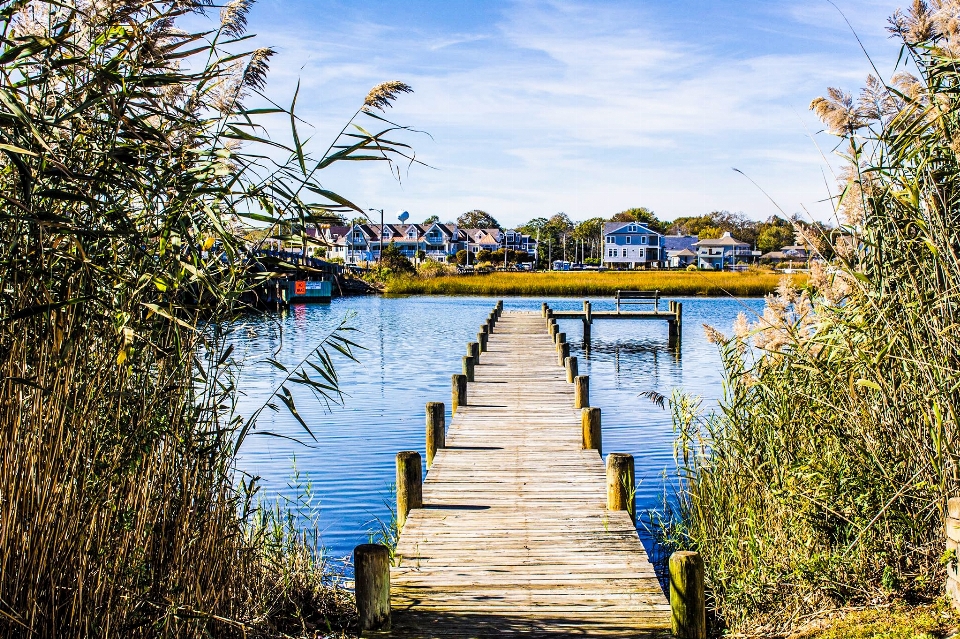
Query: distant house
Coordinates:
[722,252]
[680,250]
[631,244]
[363,242]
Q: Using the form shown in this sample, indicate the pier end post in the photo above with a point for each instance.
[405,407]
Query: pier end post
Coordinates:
[459,384]
[687,608]
[436,429]
[572,367]
[620,482]
[592,437]
[409,484]
[581,386]
[372,584]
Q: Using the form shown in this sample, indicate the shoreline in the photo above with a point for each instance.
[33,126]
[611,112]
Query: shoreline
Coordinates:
[592,283]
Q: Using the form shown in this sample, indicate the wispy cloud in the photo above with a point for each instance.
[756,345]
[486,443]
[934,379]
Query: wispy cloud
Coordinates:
[583,106]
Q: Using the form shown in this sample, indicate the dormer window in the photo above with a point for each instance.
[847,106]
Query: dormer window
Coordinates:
[411,233]
[386,233]
[357,236]
[633,229]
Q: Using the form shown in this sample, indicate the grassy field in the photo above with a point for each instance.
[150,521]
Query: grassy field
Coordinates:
[580,283]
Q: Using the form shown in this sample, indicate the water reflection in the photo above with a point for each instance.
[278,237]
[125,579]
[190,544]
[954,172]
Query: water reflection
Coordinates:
[412,346]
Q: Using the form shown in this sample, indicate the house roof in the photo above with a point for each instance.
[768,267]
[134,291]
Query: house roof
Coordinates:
[614,227]
[725,240]
[681,253]
[678,242]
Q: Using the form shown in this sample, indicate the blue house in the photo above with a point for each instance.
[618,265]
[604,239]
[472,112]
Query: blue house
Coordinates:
[631,244]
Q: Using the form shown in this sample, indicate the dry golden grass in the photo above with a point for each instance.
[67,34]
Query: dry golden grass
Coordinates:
[577,283]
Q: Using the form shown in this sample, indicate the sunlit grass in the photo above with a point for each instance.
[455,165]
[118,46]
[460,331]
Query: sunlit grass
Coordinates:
[578,283]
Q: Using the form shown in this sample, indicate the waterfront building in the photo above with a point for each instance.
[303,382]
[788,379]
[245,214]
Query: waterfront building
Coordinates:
[631,244]
[723,252]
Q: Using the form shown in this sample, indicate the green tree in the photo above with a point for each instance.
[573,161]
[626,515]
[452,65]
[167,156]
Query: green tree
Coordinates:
[485,255]
[394,259]
[590,233]
[774,234]
[477,219]
[431,219]
[643,215]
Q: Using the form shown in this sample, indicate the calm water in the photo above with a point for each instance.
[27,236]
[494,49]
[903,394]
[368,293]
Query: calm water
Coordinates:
[412,346]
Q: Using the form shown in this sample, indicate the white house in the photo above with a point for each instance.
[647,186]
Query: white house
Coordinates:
[722,252]
[631,244]
[680,250]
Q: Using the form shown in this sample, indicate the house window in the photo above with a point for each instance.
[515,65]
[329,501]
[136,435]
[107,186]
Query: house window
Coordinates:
[610,239]
[633,229]
[357,236]
[629,239]
[643,239]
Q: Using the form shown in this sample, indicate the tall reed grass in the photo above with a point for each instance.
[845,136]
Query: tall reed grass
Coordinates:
[823,480]
[581,283]
[127,158]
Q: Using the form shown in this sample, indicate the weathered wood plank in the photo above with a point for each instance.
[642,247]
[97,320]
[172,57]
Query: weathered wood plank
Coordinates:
[514,536]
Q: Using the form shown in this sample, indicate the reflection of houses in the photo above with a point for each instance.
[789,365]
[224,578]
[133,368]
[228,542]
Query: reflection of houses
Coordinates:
[680,250]
[721,252]
[631,244]
[363,242]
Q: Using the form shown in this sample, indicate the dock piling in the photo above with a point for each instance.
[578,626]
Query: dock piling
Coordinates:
[572,367]
[436,429]
[459,383]
[563,353]
[482,340]
[372,585]
[581,391]
[468,367]
[473,350]
[543,309]
[620,482]
[686,595]
[409,484]
[592,436]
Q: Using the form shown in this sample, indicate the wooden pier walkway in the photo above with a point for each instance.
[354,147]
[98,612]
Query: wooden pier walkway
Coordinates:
[514,536]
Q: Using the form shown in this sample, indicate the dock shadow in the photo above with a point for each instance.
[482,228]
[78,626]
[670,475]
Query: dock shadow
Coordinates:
[454,507]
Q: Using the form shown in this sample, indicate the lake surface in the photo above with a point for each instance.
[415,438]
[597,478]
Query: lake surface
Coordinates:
[412,346]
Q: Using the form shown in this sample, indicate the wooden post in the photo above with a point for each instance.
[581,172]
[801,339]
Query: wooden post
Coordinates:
[572,367]
[686,596]
[499,307]
[543,309]
[489,325]
[459,391]
[473,350]
[590,418]
[549,313]
[436,429]
[679,308]
[563,353]
[560,338]
[371,564]
[468,366]
[671,333]
[620,482]
[482,340]
[582,391]
[553,329]
[409,484]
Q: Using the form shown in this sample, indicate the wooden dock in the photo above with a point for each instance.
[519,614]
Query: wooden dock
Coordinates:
[514,536]
[673,316]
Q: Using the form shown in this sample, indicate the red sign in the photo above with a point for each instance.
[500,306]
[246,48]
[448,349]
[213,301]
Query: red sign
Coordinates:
[300,288]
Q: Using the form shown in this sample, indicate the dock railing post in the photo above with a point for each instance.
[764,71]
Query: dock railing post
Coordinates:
[572,367]
[679,308]
[560,338]
[409,484]
[436,429]
[587,323]
[468,366]
[459,394]
[686,595]
[473,350]
[371,563]
[543,309]
[620,482]
[592,436]
[552,328]
[581,387]
[482,339]
[563,353]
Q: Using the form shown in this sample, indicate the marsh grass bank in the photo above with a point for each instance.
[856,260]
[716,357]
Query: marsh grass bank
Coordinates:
[577,283]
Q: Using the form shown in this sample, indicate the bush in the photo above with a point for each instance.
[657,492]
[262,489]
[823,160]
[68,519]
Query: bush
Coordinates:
[431,268]
[823,479]
[393,259]
[692,267]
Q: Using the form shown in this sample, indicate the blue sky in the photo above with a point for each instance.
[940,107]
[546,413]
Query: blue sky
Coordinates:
[586,107]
